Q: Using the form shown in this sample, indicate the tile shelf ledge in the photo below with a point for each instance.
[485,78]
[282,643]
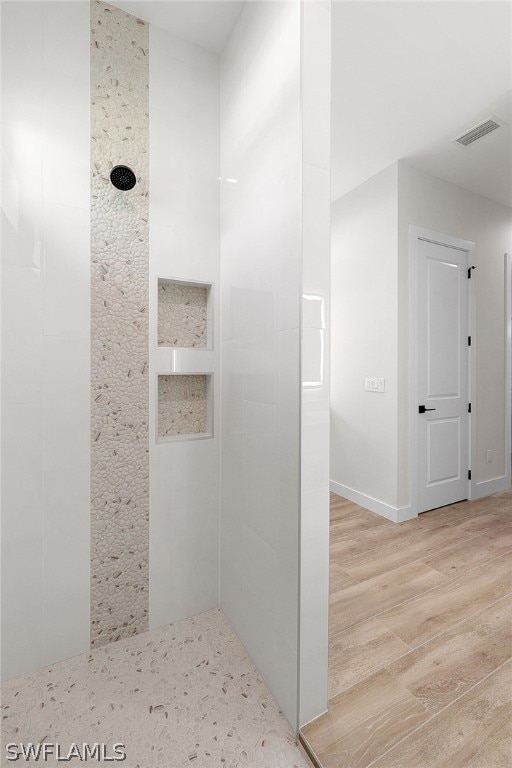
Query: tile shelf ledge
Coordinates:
[162,439]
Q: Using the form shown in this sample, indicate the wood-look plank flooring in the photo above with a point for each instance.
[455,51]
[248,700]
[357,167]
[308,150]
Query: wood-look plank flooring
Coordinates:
[420,639]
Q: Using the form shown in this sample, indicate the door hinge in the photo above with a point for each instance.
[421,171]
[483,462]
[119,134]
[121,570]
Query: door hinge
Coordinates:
[469,341]
[469,407]
[469,474]
[469,272]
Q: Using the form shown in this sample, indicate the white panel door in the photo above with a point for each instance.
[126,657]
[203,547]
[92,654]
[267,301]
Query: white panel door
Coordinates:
[443,356]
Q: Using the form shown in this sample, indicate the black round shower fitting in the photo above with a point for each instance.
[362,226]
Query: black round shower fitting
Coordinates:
[122,177]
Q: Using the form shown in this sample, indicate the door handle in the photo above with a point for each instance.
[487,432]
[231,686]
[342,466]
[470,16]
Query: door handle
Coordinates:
[422,409]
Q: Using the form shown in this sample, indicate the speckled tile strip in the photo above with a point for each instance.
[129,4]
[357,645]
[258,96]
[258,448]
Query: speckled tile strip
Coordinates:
[119,316]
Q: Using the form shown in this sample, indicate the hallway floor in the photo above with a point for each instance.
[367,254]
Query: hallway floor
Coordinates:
[420,639]
[186,694]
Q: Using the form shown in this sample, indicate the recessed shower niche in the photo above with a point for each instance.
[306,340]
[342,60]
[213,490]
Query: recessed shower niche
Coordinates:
[184,314]
[185,406]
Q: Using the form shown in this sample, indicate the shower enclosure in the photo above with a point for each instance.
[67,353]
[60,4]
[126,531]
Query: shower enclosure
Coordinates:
[166,334]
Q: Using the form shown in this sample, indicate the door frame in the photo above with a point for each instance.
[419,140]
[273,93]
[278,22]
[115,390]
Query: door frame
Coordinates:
[421,233]
[508,365]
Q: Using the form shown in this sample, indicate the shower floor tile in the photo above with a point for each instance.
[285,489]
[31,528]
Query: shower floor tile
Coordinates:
[185,694]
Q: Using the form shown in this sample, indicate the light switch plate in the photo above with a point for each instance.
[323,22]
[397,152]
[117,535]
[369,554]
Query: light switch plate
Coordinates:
[374,384]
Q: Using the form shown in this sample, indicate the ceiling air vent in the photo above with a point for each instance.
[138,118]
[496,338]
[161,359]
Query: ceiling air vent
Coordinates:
[479,131]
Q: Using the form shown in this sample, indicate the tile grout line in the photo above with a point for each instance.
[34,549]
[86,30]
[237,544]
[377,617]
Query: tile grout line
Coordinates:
[405,691]
[422,561]
[391,543]
[416,648]
[410,599]
[445,631]
[405,565]
[462,541]
[486,566]
[377,616]
[397,605]
[483,562]
[413,649]
[422,725]
[450,582]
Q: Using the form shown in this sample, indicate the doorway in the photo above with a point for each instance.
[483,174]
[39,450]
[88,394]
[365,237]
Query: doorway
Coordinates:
[441,270]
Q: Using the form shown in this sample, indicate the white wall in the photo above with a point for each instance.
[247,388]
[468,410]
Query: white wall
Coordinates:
[364,292]
[315,349]
[370,332]
[261,287]
[45,333]
[275,245]
[184,217]
[430,202]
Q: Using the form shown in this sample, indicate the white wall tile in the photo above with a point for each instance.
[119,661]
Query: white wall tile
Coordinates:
[184,152]
[262,275]
[260,135]
[66,42]
[191,103]
[313,679]
[22,47]
[66,627]
[170,47]
[22,335]
[21,231]
[316,87]
[22,598]
[22,539]
[316,230]
[160,244]
[183,201]
[67,266]
[22,456]
[45,65]
[178,468]
[184,243]
[22,459]
[66,140]
[21,53]
[66,531]
[66,411]
[21,182]
[66,112]
[185,563]
[21,219]
[315,409]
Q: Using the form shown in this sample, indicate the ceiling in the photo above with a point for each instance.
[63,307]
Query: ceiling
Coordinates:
[205,23]
[408,77]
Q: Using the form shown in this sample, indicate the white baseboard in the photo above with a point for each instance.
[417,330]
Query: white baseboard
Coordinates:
[488,487]
[406,513]
[395,514]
